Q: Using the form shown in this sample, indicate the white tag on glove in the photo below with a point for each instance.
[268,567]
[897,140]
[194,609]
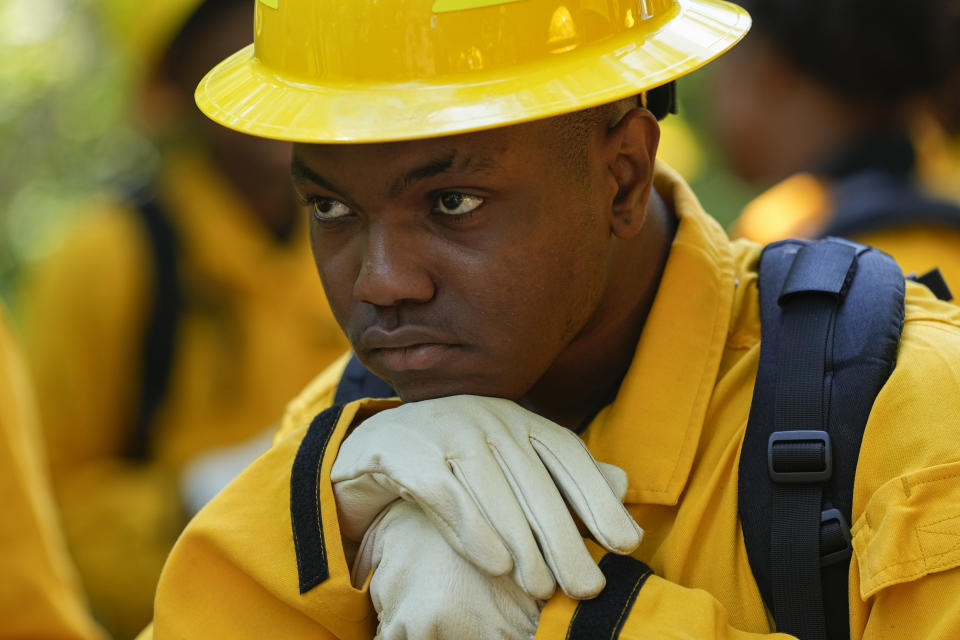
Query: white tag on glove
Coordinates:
[492,478]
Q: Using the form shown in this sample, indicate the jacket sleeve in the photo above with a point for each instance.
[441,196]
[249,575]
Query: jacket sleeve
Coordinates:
[265,558]
[914,597]
[84,310]
[905,576]
[636,604]
[39,591]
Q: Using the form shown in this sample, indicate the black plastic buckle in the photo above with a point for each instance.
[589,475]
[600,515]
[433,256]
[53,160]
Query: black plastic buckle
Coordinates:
[780,443]
[838,554]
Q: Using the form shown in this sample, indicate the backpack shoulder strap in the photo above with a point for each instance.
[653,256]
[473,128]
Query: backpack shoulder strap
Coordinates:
[832,313]
[159,336]
[359,382]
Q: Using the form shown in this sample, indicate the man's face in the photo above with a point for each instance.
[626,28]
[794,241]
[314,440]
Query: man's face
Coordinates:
[463,264]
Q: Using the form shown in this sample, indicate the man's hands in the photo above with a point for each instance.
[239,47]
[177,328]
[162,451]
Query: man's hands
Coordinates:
[491,477]
[421,588]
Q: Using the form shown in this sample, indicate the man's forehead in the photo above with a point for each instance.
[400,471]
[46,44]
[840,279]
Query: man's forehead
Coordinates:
[475,152]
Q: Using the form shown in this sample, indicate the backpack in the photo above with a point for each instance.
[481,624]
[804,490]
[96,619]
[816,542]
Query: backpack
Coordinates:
[831,314]
[840,306]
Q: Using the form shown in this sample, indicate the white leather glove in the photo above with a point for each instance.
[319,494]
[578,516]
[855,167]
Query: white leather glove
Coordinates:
[492,478]
[424,590]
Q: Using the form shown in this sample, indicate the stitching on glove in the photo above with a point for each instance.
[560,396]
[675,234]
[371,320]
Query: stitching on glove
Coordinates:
[524,507]
[562,529]
[570,481]
[584,503]
[453,466]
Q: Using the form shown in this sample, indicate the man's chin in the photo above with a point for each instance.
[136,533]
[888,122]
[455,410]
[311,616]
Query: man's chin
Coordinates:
[417,391]
[417,387]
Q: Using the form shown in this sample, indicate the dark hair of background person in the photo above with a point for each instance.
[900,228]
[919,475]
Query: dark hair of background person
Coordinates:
[867,50]
[179,55]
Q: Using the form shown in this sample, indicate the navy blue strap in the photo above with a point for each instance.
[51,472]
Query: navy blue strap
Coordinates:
[359,382]
[605,615]
[799,454]
[160,333]
[935,281]
[305,511]
[831,312]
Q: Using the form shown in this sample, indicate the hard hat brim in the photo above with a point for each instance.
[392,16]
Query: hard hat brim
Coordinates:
[241,93]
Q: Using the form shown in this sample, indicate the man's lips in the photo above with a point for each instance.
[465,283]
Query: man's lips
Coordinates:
[406,348]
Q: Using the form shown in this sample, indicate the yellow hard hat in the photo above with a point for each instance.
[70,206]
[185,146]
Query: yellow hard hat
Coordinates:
[382,70]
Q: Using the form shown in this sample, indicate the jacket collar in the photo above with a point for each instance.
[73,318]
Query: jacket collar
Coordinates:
[653,427]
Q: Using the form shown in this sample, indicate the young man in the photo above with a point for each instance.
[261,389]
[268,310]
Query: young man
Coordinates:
[549,305]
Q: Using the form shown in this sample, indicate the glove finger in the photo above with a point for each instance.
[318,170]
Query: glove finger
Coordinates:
[586,490]
[366,478]
[371,548]
[361,500]
[453,511]
[615,477]
[549,519]
[484,480]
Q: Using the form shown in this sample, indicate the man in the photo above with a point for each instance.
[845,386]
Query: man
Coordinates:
[831,126]
[506,255]
[173,322]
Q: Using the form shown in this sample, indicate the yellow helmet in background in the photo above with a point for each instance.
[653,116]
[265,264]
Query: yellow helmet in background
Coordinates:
[382,70]
[143,29]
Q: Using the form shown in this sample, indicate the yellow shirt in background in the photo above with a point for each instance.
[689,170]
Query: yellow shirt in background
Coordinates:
[253,328]
[676,427]
[40,595]
[801,207]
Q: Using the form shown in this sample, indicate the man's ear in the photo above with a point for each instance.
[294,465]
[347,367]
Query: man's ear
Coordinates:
[633,148]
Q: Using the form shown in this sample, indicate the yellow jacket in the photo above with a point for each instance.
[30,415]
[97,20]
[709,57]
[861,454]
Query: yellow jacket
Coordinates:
[39,592]
[676,427]
[802,206]
[254,327]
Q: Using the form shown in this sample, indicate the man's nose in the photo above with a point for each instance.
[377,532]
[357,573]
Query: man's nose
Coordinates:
[394,267]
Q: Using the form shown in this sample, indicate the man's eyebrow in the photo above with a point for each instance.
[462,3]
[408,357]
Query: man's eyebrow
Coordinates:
[428,169]
[300,172]
[440,165]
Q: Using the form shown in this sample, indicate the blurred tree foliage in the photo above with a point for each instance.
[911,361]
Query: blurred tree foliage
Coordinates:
[64,127]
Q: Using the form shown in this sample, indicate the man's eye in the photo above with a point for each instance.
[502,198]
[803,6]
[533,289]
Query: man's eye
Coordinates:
[453,203]
[326,209]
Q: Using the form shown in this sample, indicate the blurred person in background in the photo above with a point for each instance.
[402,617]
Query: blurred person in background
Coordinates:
[936,127]
[820,99]
[175,321]
[40,595]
